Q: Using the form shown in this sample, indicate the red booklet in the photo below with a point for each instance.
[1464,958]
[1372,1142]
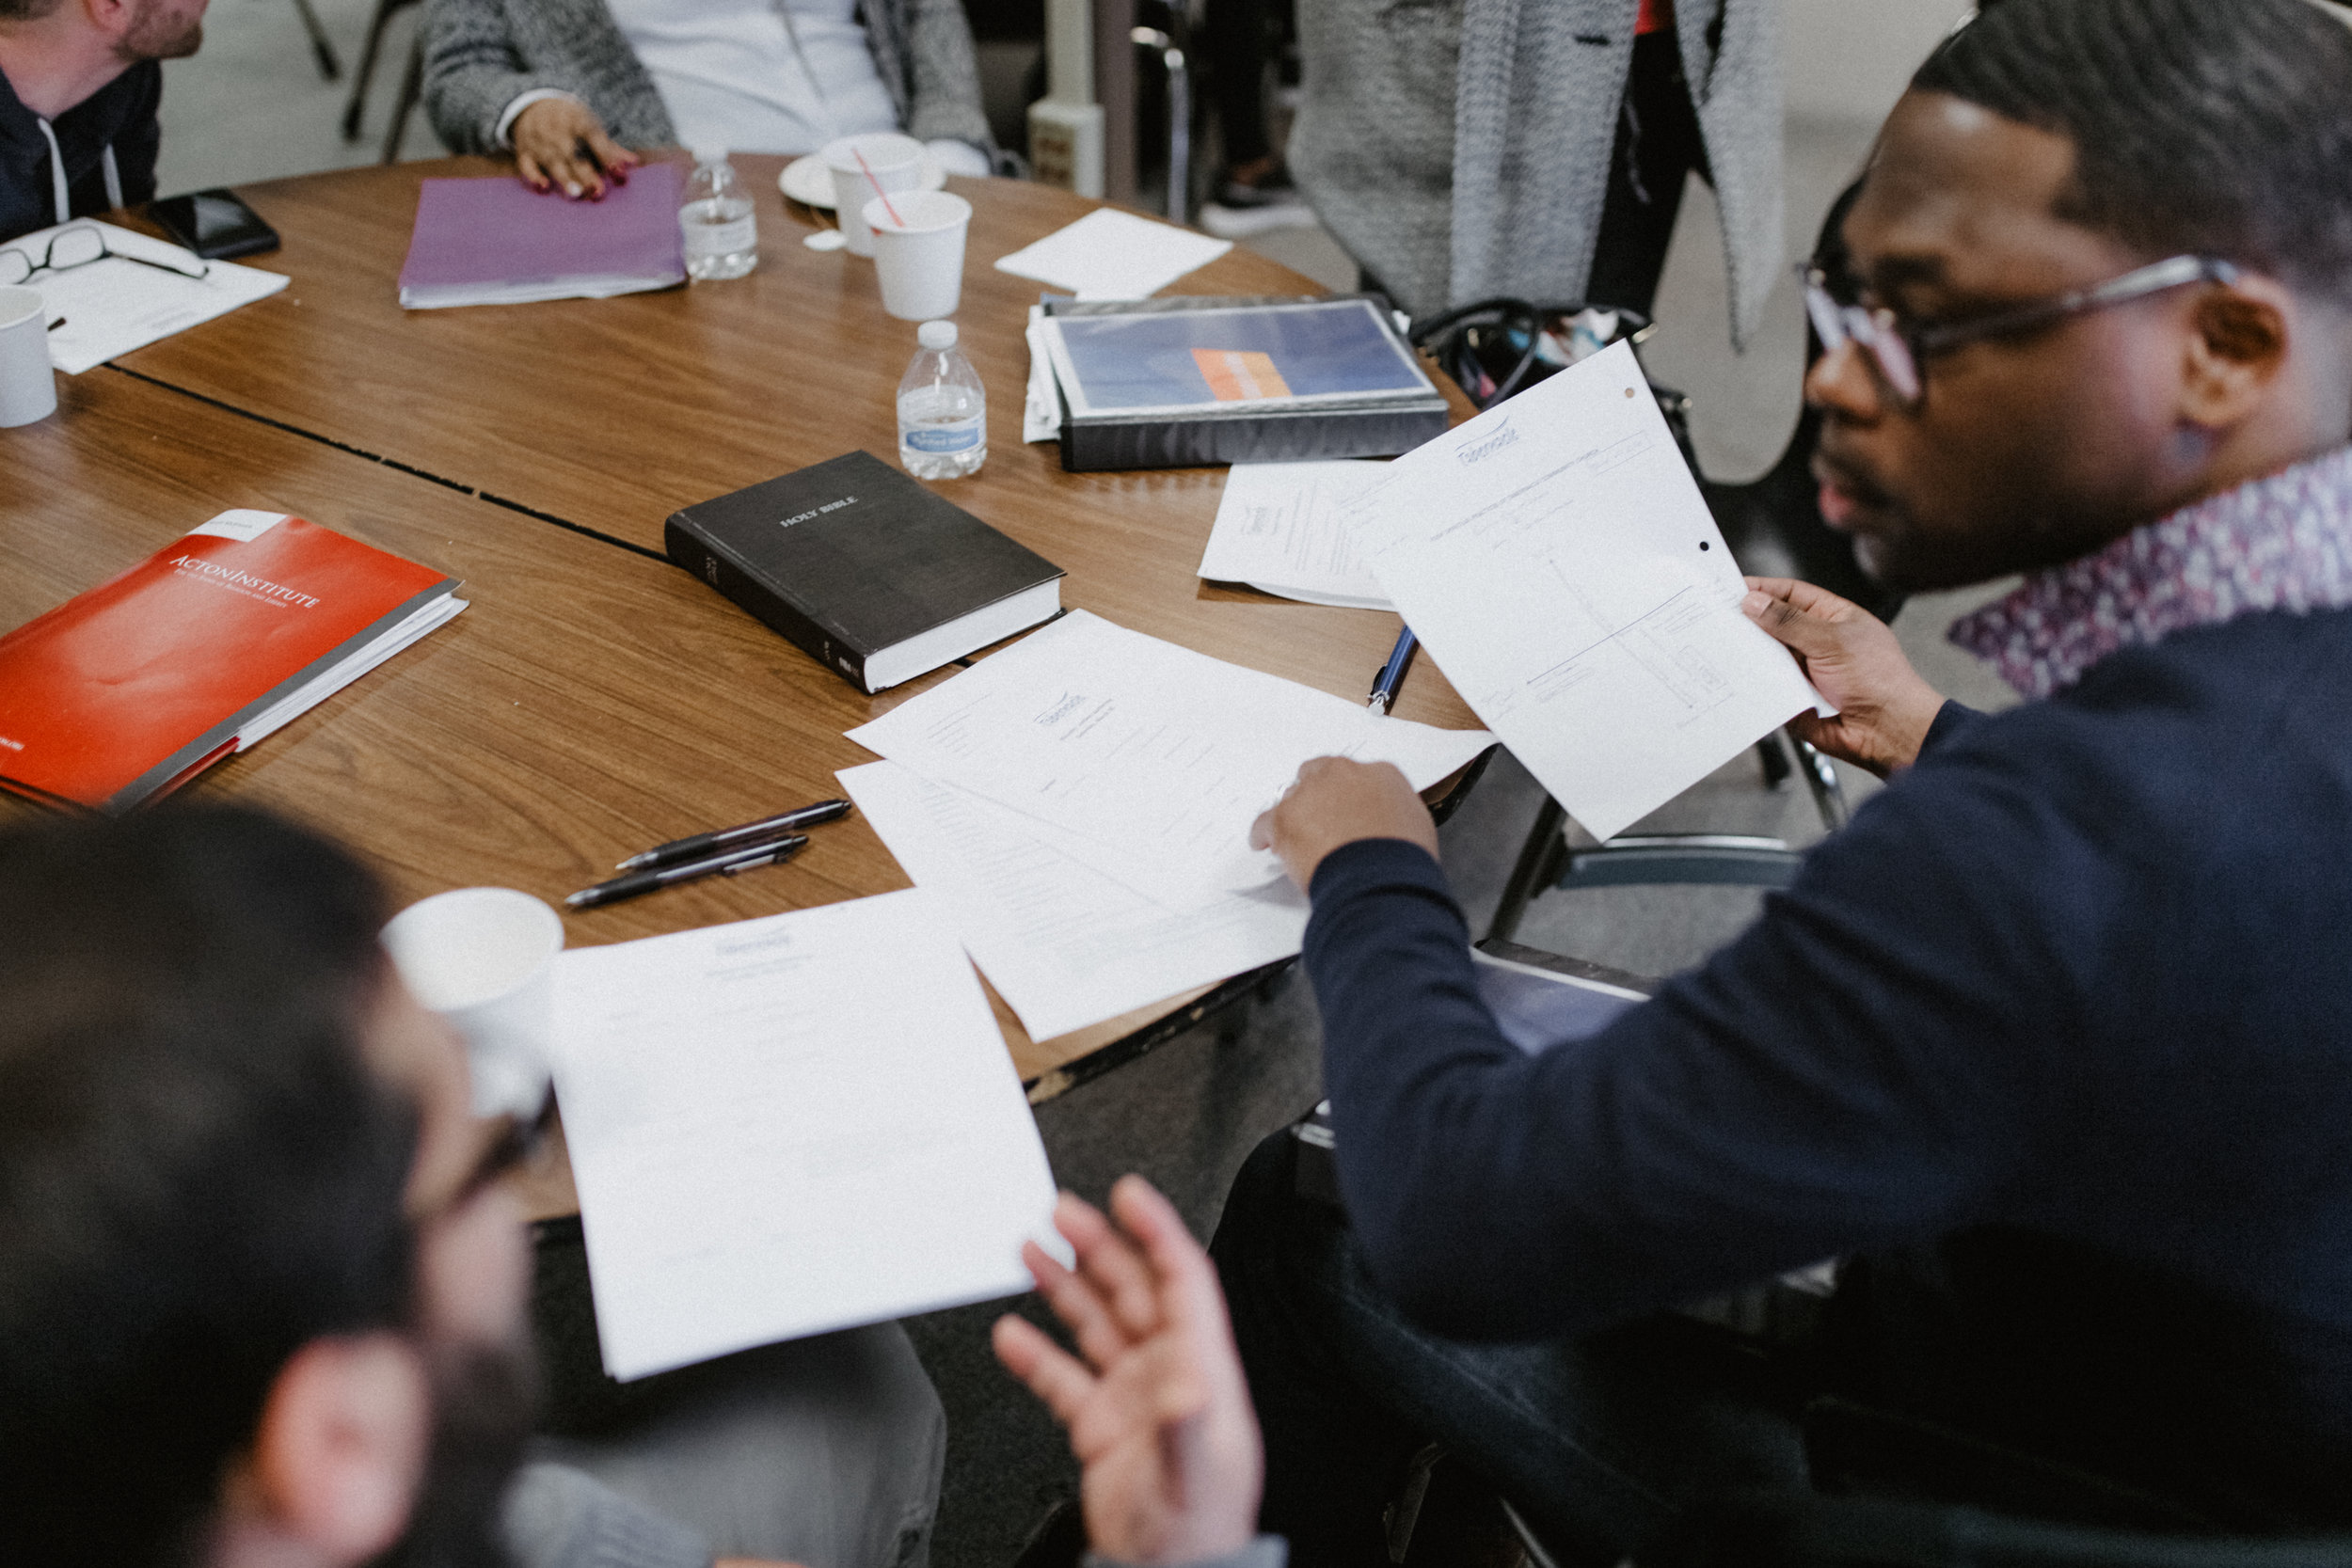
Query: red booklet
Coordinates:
[124,693]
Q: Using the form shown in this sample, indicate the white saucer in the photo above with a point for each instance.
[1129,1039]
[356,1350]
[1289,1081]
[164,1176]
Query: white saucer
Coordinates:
[808,181]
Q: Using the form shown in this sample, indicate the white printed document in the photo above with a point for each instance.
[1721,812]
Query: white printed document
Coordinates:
[1064,944]
[1109,254]
[111,306]
[1158,756]
[1557,559]
[788,1126]
[1277,528]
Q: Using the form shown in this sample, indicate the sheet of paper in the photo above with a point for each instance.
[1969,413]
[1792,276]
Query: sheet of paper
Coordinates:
[112,305]
[1064,944]
[1109,254]
[1555,556]
[788,1126]
[1160,757]
[1040,408]
[1277,528]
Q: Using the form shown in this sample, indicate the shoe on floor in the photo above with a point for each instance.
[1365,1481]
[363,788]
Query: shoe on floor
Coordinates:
[1241,211]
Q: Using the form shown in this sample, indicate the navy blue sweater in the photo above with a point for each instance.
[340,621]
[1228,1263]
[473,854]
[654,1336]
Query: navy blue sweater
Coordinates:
[2059,1027]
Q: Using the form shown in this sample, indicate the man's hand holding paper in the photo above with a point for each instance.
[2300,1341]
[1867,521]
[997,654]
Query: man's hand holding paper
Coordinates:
[1557,559]
[1883,708]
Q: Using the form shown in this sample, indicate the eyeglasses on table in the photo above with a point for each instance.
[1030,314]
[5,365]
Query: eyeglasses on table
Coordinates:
[78,245]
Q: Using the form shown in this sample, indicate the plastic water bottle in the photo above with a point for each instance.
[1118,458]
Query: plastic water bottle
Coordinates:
[719,223]
[942,414]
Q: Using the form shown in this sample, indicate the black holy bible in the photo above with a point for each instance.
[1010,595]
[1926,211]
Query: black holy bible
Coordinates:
[875,576]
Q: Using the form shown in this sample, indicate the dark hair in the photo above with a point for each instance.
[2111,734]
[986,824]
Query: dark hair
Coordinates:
[2216,127]
[26,10]
[198,1172]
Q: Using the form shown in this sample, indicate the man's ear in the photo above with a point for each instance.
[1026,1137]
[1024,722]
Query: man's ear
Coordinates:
[112,18]
[2237,345]
[340,1450]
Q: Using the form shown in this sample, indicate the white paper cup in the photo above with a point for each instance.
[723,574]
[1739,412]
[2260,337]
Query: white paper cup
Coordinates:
[29,388]
[483,958]
[920,258]
[897,164]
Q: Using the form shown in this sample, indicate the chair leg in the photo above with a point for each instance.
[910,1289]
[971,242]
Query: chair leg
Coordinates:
[329,67]
[1821,777]
[354,111]
[411,90]
[1538,863]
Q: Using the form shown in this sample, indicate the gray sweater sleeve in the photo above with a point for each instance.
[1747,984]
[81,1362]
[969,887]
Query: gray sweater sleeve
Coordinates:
[555,1516]
[481,55]
[944,75]
[1266,1551]
[471,72]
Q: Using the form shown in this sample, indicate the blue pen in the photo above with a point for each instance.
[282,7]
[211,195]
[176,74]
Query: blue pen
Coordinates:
[1392,673]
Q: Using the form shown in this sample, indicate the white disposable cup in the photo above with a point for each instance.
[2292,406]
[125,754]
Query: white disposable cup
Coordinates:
[920,256]
[29,388]
[897,164]
[483,958]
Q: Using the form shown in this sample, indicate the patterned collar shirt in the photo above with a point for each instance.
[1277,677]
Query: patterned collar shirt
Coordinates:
[2281,543]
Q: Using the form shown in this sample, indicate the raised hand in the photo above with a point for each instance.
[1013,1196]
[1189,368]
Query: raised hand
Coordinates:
[1157,1410]
[561,142]
[1883,708]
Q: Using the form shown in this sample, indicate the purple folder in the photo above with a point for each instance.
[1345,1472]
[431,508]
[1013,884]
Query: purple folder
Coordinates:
[499,242]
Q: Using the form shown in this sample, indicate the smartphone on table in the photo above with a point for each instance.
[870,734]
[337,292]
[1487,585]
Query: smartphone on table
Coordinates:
[214,224]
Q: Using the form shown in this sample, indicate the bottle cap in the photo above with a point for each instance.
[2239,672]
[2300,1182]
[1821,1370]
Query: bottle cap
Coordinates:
[709,151]
[936,334]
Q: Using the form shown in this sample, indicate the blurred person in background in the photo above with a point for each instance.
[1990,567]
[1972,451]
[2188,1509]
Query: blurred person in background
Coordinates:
[577,88]
[1462,150]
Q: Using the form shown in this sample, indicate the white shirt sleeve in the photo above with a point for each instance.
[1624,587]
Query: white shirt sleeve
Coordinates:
[523,101]
[959,157]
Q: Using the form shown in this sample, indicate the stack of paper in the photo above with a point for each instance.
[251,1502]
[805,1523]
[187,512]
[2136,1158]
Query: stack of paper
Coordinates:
[1277,528]
[496,240]
[112,305]
[1081,802]
[788,1126]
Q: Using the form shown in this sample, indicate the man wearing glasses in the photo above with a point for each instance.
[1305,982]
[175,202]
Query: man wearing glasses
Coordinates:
[262,1292]
[2053,1042]
[79,83]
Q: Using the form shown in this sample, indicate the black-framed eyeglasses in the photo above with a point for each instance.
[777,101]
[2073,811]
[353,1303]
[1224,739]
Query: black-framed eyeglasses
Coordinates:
[1900,349]
[78,245]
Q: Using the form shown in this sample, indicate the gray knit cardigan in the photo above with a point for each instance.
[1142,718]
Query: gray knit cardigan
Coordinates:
[1459,149]
[480,53]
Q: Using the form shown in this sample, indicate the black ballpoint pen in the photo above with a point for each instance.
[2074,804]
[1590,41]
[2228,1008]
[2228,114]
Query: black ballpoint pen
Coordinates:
[762,831]
[727,864]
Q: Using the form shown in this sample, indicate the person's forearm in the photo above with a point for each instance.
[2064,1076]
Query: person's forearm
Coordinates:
[1804,1092]
[1411,1054]
[472,73]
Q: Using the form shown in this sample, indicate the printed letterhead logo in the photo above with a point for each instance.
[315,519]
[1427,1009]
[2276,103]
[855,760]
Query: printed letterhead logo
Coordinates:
[244,582]
[1479,451]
